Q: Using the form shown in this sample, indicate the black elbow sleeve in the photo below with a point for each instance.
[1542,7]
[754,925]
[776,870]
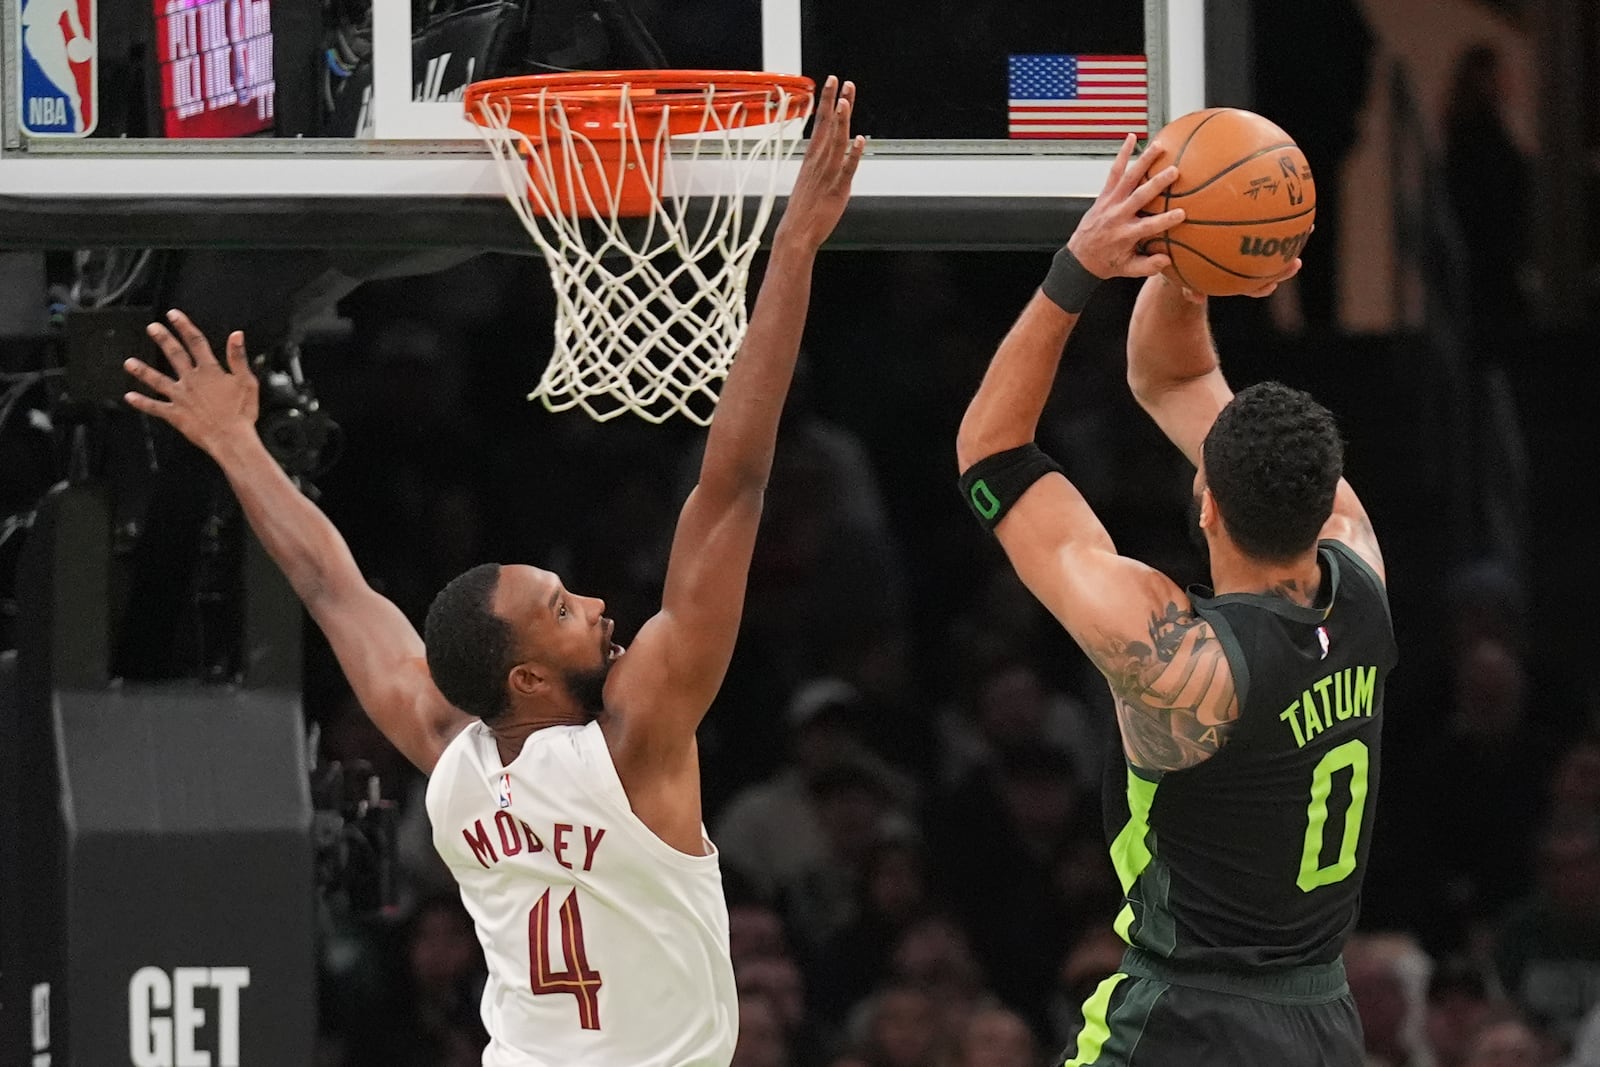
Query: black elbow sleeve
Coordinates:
[991,485]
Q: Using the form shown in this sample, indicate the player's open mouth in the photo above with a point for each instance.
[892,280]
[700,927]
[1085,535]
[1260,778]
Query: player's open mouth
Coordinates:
[614,651]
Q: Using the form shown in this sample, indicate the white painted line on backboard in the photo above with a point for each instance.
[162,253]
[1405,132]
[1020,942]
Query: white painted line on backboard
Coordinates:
[395,115]
[1186,57]
[391,65]
[780,36]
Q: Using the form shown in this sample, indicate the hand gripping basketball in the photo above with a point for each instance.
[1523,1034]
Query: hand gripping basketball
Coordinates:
[1110,236]
[1265,289]
[1251,200]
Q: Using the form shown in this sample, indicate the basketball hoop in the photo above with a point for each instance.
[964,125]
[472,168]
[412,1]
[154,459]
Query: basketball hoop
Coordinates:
[650,302]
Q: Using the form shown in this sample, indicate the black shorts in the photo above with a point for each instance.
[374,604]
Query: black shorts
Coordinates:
[1151,1014]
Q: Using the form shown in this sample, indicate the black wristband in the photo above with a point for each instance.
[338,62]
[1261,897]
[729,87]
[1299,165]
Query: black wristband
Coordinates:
[991,485]
[1069,283]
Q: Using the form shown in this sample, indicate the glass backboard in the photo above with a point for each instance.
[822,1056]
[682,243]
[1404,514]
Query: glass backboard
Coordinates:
[273,123]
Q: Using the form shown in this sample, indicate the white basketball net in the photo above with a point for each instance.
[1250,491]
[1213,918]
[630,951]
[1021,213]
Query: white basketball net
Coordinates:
[650,311]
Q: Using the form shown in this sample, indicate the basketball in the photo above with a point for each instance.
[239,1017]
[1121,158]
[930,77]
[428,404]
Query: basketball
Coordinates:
[80,50]
[1248,199]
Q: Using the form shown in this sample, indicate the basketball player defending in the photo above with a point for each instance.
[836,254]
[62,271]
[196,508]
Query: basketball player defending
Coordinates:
[1250,716]
[565,781]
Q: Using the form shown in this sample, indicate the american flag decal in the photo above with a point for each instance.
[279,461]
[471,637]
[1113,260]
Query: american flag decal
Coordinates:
[1079,97]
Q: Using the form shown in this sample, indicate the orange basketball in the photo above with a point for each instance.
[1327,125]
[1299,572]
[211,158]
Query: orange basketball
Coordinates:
[1247,195]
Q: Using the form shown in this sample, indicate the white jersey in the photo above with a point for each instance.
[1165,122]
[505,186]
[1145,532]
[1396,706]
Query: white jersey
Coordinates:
[606,946]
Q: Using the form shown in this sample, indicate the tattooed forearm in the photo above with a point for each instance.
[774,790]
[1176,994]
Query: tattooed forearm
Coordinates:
[1175,696]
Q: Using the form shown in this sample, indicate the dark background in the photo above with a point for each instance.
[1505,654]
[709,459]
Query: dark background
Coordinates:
[946,891]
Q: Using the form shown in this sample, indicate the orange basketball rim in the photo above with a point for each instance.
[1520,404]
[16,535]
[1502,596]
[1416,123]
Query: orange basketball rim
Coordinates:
[603,134]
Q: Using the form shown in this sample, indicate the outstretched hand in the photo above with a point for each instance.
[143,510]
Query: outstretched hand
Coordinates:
[1111,235]
[832,156]
[205,402]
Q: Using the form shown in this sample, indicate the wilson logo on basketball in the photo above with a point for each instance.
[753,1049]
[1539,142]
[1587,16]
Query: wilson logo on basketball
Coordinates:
[1287,247]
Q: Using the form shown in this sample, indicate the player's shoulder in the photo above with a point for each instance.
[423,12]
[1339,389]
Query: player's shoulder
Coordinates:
[1356,563]
[1351,527]
[460,744]
[1175,687]
[460,756]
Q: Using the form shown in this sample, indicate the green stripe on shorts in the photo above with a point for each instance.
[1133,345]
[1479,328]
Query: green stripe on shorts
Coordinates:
[1092,1038]
[1109,1035]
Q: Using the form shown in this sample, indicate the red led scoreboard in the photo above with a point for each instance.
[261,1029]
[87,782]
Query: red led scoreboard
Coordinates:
[216,66]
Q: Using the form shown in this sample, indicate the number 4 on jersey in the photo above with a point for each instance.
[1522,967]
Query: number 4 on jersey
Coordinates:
[579,979]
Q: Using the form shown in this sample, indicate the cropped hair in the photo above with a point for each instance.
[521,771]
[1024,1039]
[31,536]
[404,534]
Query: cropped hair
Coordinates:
[1273,460]
[469,647]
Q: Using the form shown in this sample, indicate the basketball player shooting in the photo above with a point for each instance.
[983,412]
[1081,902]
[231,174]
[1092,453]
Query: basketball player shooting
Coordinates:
[1250,716]
[564,786]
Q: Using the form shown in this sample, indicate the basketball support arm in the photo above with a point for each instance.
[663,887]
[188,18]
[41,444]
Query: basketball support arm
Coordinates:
[1173,367]
[1175,374]
[1005,411]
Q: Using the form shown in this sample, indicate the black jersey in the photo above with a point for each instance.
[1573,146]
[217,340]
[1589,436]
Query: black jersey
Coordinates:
[1256,856]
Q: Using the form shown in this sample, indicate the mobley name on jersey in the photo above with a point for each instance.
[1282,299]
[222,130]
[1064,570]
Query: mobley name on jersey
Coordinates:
[572,845]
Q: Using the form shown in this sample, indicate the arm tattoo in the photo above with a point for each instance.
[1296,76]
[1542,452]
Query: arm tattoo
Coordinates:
[1175,696]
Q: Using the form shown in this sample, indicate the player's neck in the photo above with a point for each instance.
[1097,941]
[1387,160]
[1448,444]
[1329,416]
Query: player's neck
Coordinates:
[511,735]
[1297,581]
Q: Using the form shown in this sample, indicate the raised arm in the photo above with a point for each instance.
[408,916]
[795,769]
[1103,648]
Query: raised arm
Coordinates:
[1165,668]
[1173,367]
[1176,375]
[379,649]
[676,664]
[995,446]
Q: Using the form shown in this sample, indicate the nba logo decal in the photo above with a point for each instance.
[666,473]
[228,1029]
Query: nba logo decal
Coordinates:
[505,790]
[1322,639]
[59,68]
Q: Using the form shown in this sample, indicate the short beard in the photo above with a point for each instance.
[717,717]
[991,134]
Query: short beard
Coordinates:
[588,689]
